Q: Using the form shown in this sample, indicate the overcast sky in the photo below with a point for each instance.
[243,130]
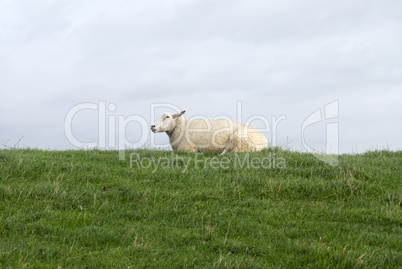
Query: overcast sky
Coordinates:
[272,58]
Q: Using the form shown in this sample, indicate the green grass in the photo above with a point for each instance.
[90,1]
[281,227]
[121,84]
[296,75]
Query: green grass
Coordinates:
[88,209]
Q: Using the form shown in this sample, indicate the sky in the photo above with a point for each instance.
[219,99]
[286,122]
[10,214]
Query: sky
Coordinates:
[314,75]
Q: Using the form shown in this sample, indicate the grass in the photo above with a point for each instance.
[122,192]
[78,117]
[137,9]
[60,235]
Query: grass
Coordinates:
[88,209]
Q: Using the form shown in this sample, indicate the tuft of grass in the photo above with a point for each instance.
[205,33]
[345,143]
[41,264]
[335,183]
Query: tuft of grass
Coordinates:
[274,208]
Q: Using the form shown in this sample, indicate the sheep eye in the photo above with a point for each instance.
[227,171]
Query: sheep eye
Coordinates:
[167,117]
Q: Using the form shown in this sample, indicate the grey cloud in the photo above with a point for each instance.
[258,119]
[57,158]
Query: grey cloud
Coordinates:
[279,57]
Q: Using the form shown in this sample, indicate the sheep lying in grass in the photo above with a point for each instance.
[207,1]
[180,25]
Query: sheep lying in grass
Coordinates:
[209,135]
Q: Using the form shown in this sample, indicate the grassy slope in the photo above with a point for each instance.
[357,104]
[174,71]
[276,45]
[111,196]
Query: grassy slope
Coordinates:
[88,209]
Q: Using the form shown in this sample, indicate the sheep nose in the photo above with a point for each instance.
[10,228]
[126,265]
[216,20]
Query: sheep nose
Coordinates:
[152,126]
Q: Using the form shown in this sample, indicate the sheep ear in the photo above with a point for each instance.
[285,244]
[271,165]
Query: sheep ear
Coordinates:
[178,115]
[181,113]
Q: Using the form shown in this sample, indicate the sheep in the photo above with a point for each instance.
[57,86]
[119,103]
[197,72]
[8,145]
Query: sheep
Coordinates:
[209,135]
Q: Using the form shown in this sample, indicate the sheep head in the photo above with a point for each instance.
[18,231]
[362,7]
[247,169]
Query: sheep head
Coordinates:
[166,122]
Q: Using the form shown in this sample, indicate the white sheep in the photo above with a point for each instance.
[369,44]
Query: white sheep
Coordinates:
[209,135]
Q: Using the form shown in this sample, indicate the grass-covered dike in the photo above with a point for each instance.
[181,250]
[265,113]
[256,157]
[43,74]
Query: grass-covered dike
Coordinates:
[88,209]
